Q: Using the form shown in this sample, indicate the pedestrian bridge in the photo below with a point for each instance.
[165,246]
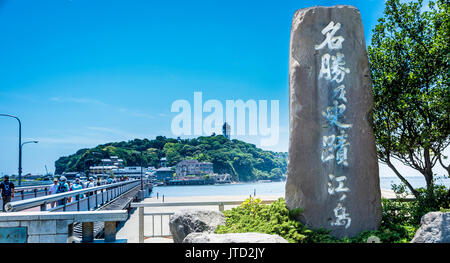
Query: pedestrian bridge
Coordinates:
[83,214]
[33,192]
[88,199]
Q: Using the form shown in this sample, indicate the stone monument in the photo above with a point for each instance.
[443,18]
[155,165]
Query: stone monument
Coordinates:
[333,166]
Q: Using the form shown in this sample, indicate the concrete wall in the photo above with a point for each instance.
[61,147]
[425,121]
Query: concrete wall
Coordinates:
[53,227]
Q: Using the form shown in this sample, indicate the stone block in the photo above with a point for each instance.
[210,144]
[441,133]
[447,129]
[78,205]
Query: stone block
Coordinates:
[9,224]
[33,239]
[62,226]
[48,227]
[333,166]
[434,228]
[34,227]
[19,216]
[188,221]
[24,223]
[110,231]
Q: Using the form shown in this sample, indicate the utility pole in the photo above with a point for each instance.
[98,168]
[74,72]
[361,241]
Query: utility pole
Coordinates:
[20,175]
[20,145]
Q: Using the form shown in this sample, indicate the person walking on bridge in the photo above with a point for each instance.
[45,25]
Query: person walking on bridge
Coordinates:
[77,186]
[62,188]
[7,189]
[53,190]
[90,184]
[99,182]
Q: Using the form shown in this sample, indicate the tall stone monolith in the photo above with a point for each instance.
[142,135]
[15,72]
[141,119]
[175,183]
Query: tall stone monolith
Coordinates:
[333,167]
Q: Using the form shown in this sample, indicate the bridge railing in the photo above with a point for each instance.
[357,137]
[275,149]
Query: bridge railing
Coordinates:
[141,206]
[26,192]
[79,200]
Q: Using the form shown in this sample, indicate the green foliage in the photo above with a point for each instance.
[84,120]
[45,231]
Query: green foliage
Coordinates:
[252,216]
[396,226]
[206,177]
[296,212]
[409,63]
[435,198]
[242,160]
[400,220]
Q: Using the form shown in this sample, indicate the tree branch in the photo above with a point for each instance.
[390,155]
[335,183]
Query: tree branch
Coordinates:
[413,191]
[442,164]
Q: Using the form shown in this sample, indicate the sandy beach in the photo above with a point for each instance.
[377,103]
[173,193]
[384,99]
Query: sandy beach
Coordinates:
[161,224]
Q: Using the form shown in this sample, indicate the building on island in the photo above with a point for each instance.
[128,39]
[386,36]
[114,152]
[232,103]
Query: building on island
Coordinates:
[164,174]
[221,178]
[193,167]
[113,161]
[131,171]
[102,170]
[163,162]
[226,129]
[108,166]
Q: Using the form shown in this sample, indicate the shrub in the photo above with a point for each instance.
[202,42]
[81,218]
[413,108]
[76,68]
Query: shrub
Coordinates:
[252,216]
[400,220]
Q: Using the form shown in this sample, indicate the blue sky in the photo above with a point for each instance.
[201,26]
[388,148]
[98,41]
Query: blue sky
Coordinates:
[80,73]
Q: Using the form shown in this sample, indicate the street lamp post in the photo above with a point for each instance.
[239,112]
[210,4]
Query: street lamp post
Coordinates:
[28,142]
[20,144]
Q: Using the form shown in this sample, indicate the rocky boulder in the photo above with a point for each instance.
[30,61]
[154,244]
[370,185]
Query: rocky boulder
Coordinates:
[435,228]
[188,221]
[233,238]
[333,167]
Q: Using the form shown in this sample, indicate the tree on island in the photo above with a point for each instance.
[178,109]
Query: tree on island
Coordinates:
[409,59]
[243,161]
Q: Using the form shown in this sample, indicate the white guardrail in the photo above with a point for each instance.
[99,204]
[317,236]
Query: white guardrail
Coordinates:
[221,205]
[84,199]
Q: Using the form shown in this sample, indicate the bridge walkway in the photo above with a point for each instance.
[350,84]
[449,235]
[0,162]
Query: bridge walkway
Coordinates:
[120,203]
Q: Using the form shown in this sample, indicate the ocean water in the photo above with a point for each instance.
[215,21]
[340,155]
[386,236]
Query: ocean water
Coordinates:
[272,188]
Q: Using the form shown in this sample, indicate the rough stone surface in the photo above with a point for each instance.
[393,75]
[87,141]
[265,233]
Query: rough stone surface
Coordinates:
[233,238]
[310,95]
[187,221]
[435,228]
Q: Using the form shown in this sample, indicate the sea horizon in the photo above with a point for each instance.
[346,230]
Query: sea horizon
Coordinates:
[266,188]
